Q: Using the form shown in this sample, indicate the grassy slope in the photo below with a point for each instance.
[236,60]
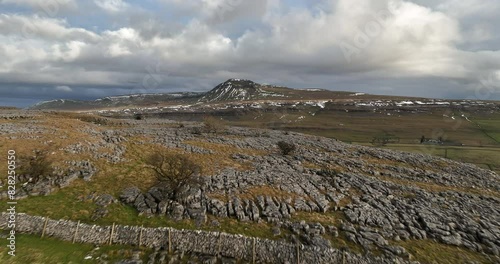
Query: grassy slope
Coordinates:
[32,249]
[70,203]
[74,202]
[428,251]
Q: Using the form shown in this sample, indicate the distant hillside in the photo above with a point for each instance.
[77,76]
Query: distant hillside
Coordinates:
[8,107]
[230,91]
[117,101]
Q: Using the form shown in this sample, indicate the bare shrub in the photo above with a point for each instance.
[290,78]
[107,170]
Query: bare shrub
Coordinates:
[286,148]
[174,171]
[213,125]
[138,116]
[37,166]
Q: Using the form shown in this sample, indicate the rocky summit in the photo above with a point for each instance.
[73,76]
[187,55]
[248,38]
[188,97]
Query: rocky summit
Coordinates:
[237,90]
[314,193]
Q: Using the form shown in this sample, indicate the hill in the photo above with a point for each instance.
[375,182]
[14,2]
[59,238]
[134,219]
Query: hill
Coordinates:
[230,91]
[111,102]
[237,90]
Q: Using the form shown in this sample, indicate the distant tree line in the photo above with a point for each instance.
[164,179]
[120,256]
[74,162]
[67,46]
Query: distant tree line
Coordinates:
[382,140]
[424,140]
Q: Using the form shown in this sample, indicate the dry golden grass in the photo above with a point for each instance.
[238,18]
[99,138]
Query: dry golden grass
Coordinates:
[84,117]
[434,187]
[218,196]
[133,172]
[64,129]
[311,165]
[223,148]
[237,137]
[326,219]
[428,251]
[54,135]
[221,156]
[333,167]
[353,192]
[372,160]
[345,201]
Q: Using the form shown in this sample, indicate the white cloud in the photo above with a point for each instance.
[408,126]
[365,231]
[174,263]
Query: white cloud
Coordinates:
[63,88]
[69,51]
[463,8]
[112,6]
[480,33]
[412,40]
[37,27]
[116,50]
[222,11]
[299,45]
[50,8]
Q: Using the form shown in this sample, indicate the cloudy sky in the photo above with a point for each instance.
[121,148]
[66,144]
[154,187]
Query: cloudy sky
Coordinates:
[88,49]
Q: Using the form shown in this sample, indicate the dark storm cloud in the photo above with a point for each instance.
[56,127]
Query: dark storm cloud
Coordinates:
[399,47]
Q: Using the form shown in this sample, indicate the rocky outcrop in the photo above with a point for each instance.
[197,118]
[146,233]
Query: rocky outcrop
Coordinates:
[381,192]
[110,140]
[59,179]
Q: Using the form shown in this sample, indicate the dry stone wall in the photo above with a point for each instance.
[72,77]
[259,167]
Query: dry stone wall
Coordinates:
[190,241]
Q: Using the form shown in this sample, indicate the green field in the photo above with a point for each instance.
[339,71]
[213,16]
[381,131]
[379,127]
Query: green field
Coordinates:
[475,139]
[35,250]
[484,157]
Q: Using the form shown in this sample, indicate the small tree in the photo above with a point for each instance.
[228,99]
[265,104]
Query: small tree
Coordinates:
[196,130]
[174,171]
[384,139]
[38,166]
[286,148]
[138,116]
[213,125]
